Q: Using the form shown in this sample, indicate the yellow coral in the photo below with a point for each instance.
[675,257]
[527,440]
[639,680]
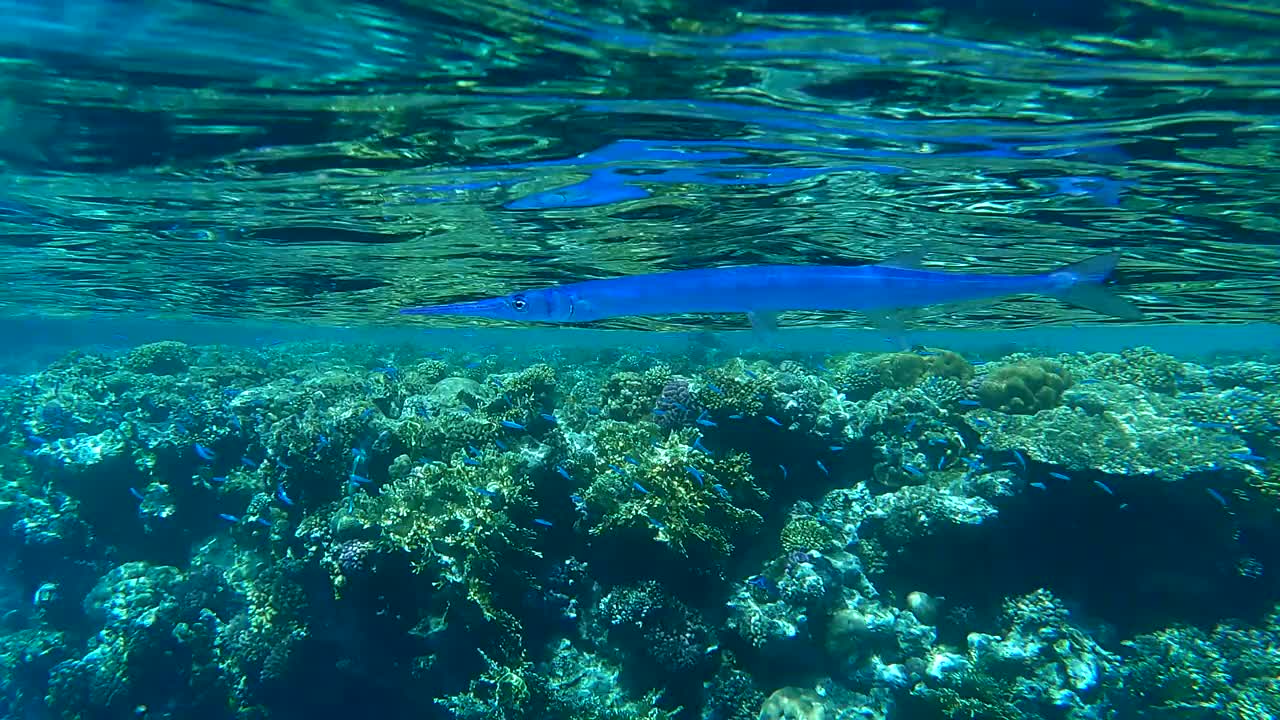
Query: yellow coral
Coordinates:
[901,370]
[805,533]
[793,703]
[1025,388]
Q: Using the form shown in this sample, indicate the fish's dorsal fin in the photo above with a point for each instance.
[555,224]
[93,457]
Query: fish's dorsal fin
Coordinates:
[906,260]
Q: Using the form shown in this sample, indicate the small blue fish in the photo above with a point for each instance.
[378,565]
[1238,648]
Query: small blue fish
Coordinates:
[283,497]
[942,461]
[719,489]
[484,491]
[367,414]
[750,373]
[783,468]
[229,518]
[715,388]
[659,412]
[543,523]
[474,451]
[773,420]
[263,522]
[1104,487]
[656,523]
[695,472]
[283,465]
[205,453]
[218,479]
[736,416]
[1021,460]
[134,492]
[617,469]
[549,418]
[979,422]
[968,403]
[631,460]
[639,487]
[512,425]
[564,473]
[501,445]
[835,448]
[1060,476]
[497,381]
[360,479]
[1039,486]
[703,421]
[1247,457]
[680,406]
[697,445]
[470,461]
[913,470]
[1216,496]
[910,426]
[822,467]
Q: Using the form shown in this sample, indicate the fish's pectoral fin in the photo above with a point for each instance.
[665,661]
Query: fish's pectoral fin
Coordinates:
[893,323]
[763,322]
[1100,299]
[907,260]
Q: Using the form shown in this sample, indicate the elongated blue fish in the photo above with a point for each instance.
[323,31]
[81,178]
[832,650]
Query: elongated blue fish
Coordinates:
[764,290]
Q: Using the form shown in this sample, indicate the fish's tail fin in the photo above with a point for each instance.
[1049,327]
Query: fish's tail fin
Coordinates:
[1083,284]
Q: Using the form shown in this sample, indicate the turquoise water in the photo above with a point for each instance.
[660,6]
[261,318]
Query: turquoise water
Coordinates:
[182,160]
[235,482]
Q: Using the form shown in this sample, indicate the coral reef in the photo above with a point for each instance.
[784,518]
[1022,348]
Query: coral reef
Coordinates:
[551,532]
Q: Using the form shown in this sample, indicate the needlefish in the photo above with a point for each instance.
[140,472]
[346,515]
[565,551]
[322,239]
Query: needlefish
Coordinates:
[763,291]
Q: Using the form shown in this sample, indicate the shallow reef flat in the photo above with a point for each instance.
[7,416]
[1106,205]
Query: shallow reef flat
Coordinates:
[305,530]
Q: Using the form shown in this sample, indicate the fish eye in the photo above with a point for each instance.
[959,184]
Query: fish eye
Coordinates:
[519,303]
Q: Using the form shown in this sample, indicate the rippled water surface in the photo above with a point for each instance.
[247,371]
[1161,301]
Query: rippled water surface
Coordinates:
[338,161]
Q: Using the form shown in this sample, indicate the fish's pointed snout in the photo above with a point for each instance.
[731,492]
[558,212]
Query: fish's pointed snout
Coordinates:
[488,308]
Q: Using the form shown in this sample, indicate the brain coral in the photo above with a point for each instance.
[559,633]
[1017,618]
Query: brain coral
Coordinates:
[1025,388]
[167,357]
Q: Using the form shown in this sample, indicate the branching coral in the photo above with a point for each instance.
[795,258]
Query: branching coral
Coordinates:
[687,498]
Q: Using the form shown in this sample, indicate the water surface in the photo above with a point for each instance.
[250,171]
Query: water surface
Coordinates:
[335,162]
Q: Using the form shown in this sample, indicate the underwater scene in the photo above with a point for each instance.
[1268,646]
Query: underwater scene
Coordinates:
[644,359]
